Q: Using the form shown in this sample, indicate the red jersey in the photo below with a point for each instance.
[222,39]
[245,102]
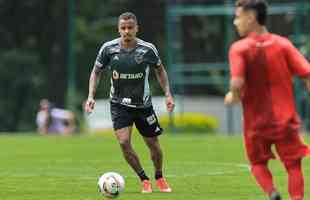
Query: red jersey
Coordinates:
[267,63]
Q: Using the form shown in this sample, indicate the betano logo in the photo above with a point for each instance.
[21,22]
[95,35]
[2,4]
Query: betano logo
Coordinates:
[116,75]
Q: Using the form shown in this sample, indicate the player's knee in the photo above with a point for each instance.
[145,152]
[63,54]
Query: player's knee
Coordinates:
[156,152]
[155,149]
[256,168]
[125,145]
[258,165]
[152,142]
[292,164]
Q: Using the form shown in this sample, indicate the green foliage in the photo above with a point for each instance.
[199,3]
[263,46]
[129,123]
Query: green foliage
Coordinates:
[190,122]
[32,59]
[19,88]
[305,48]
[34,51]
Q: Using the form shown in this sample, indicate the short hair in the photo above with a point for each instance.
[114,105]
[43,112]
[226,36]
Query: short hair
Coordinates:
[259,6]
[45,103]
[128,15]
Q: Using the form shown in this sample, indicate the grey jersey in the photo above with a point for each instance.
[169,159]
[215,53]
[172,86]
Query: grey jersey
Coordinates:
[130,71]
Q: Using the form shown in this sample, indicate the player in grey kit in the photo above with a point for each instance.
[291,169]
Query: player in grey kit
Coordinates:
[130,60]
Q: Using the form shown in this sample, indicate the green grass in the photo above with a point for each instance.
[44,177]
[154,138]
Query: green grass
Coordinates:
[66,168]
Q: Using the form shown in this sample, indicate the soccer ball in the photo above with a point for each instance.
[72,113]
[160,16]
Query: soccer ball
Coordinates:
[111,184]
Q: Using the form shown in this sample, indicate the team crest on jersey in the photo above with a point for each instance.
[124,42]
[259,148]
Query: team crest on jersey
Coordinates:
[139,58]
[115,74]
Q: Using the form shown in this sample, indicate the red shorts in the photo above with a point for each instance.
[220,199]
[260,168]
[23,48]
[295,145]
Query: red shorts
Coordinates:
[290,147]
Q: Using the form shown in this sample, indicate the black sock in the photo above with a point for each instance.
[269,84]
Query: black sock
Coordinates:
[158,174]
[143,176]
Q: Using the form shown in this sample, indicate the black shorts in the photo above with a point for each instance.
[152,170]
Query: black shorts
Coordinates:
[144,119]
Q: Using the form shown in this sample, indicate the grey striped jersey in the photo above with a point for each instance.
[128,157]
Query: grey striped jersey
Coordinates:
[129,71]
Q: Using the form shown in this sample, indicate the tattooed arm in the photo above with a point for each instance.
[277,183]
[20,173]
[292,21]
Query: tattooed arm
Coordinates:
[93,83]
[162,78]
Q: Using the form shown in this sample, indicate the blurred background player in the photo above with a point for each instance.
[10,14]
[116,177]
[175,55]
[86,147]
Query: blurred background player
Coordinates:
[130,61]
[54,120]
[262,69]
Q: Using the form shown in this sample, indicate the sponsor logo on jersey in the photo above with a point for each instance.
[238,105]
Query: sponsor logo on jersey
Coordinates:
[131,76]
[115,74]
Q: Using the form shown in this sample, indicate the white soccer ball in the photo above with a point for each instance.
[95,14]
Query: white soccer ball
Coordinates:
[111,184]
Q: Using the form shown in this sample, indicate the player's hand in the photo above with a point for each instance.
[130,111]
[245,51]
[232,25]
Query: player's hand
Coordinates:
[89,105]
[170,103]
[230,99]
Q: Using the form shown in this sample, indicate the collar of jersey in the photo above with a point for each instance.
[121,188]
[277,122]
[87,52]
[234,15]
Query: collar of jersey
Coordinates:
[125,49]
[261,37]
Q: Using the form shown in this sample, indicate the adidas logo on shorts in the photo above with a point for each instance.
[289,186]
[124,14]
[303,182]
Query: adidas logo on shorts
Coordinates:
[157,129]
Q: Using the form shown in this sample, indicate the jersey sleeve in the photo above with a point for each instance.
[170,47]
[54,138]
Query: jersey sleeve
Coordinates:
[297,62]
[102,59]
[236,62]
[153,57]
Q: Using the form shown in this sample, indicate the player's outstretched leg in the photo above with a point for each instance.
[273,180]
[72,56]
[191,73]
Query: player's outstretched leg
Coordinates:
[124,139]
[133,160]
[157,158]
[263,177]
[295,179]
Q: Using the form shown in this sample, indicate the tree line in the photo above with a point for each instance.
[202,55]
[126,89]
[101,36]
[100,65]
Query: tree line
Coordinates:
[34,50]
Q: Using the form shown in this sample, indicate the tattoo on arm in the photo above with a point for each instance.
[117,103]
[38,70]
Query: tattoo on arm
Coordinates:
[94,81]
[162,78]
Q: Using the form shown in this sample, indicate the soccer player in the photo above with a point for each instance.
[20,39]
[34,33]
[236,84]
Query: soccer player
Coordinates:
[262,67]
[130,60]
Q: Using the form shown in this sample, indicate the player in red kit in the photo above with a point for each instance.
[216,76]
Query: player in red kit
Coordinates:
[262,67]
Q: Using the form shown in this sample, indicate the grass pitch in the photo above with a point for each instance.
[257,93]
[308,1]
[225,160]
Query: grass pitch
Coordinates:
[66,168]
